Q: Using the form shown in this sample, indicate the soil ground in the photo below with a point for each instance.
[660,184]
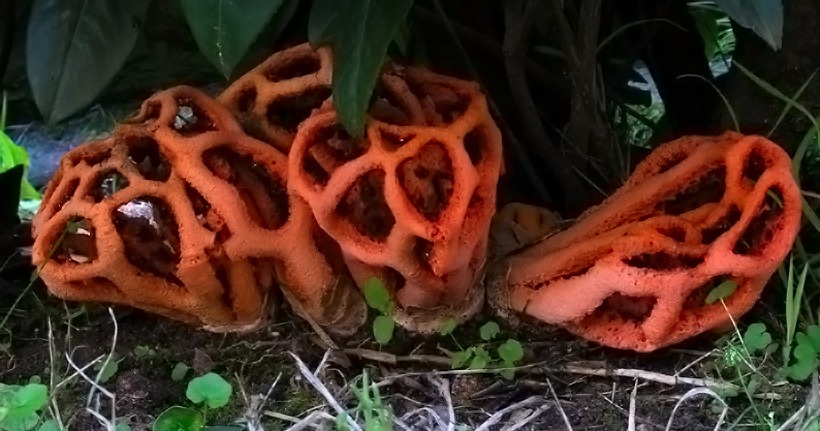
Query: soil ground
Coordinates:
[148,347]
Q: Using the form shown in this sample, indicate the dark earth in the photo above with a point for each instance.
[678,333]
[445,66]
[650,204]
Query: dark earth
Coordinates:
[148,347]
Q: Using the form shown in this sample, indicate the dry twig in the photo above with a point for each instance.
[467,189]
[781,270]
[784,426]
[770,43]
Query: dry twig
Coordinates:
[650,376]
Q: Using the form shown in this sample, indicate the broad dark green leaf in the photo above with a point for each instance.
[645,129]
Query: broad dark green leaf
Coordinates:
[75,47]
[359,33]
[764,17]
[225,29]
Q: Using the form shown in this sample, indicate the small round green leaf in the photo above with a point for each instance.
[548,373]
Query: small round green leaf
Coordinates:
[108,370]
[143,352]
[28,399]
[806,361]
[50,425]
[480,360]
[813,337]
[376,295]
[460,358]
[507,374]
[448,326]
[756,337]
[511,351]
[489,330]
[179,372]
[383,327]
[19,423]
[179,419]
[721,291]
[210,389]
[122,427]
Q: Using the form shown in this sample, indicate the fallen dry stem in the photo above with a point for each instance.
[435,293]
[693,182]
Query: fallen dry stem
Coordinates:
[626,413]
[389,358]
[496,417]
[329,343]
[649,376]
[322,389]
[633,397]
[560,407]
[700,391]
[443,386]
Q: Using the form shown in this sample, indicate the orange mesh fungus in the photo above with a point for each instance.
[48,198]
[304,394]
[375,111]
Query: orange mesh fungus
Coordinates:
[182,214]
[272,100]
[635,271]
[411,201]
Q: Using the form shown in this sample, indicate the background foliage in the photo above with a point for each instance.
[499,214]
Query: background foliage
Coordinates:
[538,61]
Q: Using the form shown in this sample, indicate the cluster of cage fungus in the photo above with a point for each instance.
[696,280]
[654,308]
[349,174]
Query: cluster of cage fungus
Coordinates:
[179,212]
[635,272]
[412,200]
[198,208]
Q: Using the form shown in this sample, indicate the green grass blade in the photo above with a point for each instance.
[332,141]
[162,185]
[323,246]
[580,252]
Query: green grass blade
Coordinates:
[626,27]
[719,93]
[788,107]
[769,88]
[3,113]
[801,150]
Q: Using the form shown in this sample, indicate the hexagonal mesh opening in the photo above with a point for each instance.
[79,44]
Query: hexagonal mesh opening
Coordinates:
[331,148]
[624,308]
[709,188]
[78,242]
[262,191]
[365,207]
[145,154]
[150,235]
[428,179]
[761,230]
[288,112]
[296,67]
[107,184]
[191,119]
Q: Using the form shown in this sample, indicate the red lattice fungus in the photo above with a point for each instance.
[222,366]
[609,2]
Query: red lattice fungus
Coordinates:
[634,272]
[272,100]
[410,202]
[182,214]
